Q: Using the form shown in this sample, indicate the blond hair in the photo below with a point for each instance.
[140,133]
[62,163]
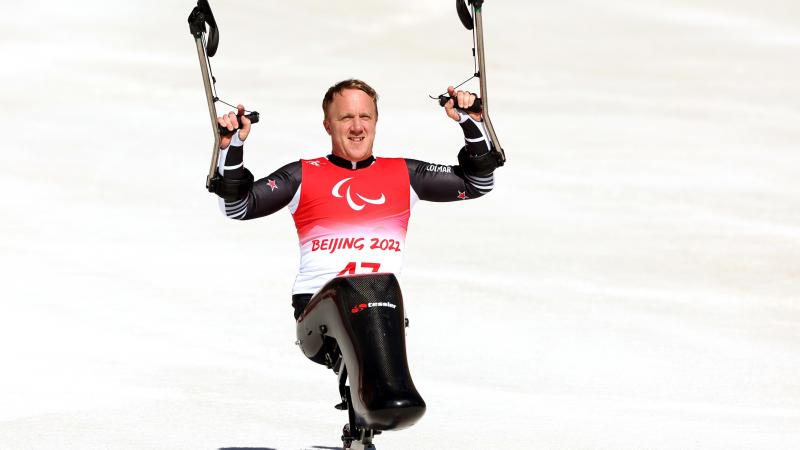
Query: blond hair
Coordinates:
[352,83]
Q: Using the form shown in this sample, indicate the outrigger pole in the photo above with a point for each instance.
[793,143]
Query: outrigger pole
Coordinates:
[201,16]
[474,21]
[478,17]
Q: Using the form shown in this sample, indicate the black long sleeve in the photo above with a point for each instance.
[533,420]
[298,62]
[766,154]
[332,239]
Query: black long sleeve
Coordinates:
[443,183]
[268,194]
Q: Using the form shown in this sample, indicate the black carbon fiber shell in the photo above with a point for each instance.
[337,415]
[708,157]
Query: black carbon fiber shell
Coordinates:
[364,313]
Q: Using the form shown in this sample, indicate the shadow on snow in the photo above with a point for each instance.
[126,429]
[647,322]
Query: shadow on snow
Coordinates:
[316,447]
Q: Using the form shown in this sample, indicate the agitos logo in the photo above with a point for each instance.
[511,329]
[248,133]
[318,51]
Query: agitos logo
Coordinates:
[363,306]
[351,202]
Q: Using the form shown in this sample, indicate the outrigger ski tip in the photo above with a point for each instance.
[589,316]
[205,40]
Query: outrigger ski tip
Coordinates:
[201,16]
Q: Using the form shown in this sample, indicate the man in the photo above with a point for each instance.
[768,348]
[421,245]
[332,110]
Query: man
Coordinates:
[350,208]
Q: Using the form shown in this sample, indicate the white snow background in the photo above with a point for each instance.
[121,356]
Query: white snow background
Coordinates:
[631,283]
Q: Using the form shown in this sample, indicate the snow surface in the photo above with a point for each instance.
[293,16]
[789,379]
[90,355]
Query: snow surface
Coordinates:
[631,283]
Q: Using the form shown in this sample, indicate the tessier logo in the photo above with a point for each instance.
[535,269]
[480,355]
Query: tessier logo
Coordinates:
[336,192]
[358,308]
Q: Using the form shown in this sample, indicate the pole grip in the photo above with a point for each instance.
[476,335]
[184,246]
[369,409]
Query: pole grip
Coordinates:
[475,108]
[223,131]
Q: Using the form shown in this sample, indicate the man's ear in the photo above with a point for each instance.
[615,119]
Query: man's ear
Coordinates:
[327,126]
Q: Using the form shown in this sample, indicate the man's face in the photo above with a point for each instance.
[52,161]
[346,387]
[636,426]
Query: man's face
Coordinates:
[351,124]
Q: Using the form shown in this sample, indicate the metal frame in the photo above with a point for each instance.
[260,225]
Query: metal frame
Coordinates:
[478,17]
[212,109]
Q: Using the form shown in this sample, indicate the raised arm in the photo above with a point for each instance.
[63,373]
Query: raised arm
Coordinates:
[266,195]
[473,177]
[243,198]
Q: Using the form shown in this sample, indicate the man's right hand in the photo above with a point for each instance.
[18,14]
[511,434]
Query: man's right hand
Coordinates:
[231,122]
[461,100]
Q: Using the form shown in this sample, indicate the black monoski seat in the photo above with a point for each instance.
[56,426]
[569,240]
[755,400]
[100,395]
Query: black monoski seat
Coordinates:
[364,313]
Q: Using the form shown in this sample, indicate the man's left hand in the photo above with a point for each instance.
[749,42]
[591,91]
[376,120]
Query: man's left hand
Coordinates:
[464,100]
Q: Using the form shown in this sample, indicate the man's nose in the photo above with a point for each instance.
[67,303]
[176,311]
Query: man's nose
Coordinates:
[358,125]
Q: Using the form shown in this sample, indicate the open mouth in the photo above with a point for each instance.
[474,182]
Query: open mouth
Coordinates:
[356,139]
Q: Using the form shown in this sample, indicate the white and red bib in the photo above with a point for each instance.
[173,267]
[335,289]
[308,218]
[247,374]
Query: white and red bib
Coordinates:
[350,221]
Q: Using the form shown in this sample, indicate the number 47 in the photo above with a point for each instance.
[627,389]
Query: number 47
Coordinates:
[351,267]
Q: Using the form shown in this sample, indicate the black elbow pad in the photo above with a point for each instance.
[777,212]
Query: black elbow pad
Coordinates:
[231,190]
[479,165]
